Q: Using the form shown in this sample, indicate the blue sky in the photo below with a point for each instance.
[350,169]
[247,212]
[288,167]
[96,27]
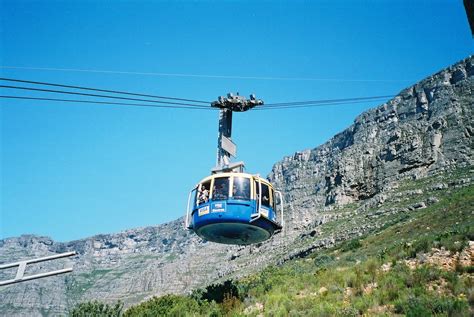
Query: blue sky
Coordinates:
[71,171]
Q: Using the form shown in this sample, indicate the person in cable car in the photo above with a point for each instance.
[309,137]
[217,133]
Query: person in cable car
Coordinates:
[203,195]
[221,189]
[241,190]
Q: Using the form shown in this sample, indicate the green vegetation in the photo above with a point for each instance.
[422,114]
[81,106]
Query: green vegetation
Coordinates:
[173,305]
[384,273]
[96,309]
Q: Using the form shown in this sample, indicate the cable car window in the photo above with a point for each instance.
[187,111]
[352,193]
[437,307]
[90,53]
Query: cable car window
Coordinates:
[265,195]
[221,188]
[194,196]
[272,198]
[241,188]
[257,189]
[275,200]
[203,192]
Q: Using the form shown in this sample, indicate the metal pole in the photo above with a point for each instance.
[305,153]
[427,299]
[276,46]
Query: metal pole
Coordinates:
[225,129]
[46,258]
[36,276]
[19,277]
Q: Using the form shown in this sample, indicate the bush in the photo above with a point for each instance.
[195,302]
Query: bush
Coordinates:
[430,306]
[391,287]
[219,292]
[168,305]
[371,267]
[323,260]
[422,245]
[351,245]
[348,312]
[96,309]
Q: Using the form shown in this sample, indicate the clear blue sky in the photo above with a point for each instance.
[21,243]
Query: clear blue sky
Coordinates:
[71,171]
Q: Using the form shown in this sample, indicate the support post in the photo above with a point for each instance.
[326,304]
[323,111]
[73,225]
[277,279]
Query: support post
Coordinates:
[225,147]
[225,131]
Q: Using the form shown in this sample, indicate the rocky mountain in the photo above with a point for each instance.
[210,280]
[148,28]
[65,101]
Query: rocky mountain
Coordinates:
[350,186]
[425,129]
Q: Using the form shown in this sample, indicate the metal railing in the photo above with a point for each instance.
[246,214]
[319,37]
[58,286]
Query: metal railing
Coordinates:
[282,221]
[20,273]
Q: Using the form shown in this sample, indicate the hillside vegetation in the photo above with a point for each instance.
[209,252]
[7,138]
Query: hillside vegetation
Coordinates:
[419,263]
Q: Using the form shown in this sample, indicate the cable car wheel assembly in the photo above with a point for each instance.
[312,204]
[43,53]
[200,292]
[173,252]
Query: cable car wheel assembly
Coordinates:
[231,206]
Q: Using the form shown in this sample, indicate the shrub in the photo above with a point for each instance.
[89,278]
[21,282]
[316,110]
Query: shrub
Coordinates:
[429,306]
[351,245]
[230,303]
[168,305]
[391,288]
[96,309]
[371,268]
[422,245]
[323,260]
[413,306]
[348,312]
[219,292]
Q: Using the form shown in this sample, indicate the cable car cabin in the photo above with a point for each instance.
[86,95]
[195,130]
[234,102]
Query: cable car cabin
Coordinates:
[234,208]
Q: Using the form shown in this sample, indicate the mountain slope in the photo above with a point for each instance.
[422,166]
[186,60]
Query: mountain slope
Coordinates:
[342,189]
[419,264]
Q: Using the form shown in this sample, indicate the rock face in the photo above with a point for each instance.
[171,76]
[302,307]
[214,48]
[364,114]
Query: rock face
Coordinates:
[426,129]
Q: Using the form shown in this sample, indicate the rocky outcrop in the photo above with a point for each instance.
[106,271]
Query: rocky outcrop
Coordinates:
[425,130]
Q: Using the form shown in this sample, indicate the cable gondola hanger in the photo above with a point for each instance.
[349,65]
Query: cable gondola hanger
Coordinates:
[231,206]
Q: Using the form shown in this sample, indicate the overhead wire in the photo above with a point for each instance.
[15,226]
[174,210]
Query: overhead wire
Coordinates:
[107,103]
[312,105]
[96,95]
[326,101]
[355,80]
[164,104]
[101,90]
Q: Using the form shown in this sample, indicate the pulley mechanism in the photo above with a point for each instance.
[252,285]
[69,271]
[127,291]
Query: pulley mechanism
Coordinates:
[225,147]
[236,102]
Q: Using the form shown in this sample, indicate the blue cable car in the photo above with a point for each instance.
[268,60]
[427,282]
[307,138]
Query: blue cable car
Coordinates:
[231,206]
[234,208]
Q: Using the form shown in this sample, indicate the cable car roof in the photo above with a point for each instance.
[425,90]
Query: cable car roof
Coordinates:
[235,174]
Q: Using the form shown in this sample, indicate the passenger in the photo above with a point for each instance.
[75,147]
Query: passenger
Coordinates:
[236,193]
[204,195]
[221,192]
[240,192]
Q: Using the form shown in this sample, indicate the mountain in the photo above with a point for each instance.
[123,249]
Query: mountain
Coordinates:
[353,185]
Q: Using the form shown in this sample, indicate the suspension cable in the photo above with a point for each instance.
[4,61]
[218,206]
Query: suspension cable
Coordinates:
[110,103]
[96,95]
[101,90]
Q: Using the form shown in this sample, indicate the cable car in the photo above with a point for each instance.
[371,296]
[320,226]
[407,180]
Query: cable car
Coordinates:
[231,206]
[234,208]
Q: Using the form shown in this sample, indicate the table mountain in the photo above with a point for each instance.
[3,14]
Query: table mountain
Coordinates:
[347,187]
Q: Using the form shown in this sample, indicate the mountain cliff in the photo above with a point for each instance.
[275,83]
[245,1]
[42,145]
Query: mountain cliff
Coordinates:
[350,186]
[425,129]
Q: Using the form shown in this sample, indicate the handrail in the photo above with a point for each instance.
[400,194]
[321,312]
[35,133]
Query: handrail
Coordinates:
[186,219]
[20,273]
[258,214]
[282,212]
